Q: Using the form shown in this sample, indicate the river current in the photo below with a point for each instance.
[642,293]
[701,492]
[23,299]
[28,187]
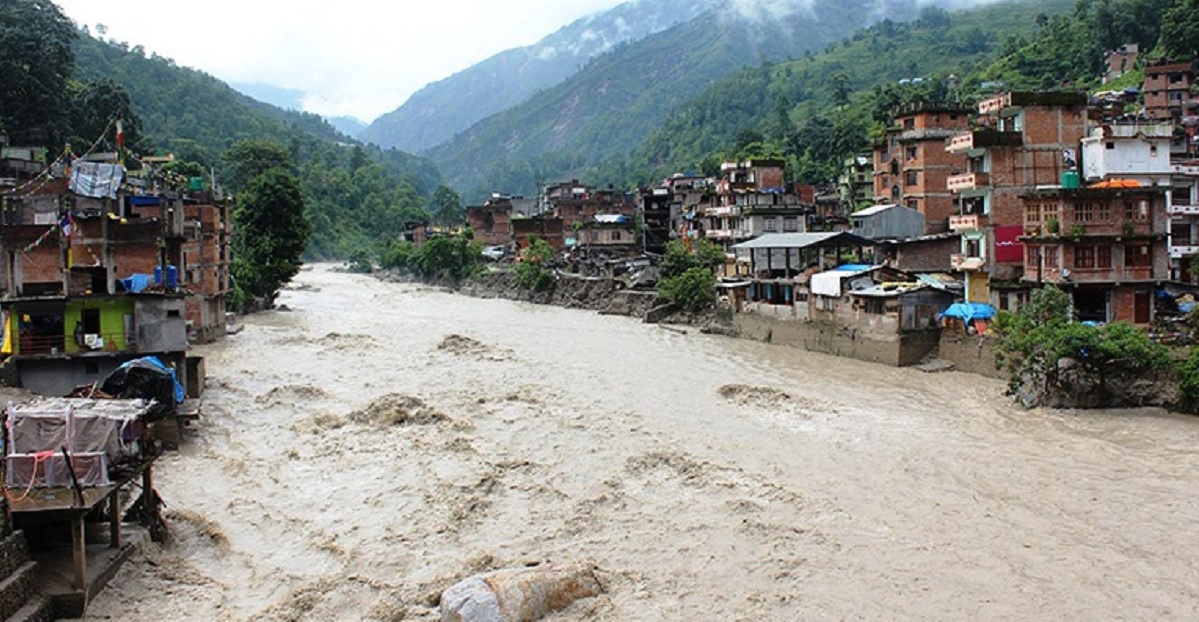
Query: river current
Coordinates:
[706,478]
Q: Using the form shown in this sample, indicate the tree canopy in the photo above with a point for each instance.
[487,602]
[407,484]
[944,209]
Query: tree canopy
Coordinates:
[36,63]
[272,233]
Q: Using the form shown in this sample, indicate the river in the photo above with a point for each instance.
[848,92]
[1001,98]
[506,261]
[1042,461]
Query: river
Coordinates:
[706,478]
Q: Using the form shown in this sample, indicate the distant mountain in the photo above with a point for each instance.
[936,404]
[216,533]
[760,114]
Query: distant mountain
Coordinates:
[287,99]
[608,108]
[350,126]
[440,110]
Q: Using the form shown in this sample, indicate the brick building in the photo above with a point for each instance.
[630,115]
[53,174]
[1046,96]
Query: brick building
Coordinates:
[1167,89]
[491,222]
[752,199]
[911,165]
[1106,245]
[1020,141]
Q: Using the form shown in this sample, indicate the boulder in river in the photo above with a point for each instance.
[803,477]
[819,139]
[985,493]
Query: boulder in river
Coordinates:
[518,595]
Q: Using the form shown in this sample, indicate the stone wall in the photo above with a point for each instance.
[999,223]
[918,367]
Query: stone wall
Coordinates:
[972,354]
[899,350]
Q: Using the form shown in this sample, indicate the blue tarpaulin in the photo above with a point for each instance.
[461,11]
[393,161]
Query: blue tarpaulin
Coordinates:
[135,283]
[970,311]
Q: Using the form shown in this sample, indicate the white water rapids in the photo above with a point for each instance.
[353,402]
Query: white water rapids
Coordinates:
[811,487]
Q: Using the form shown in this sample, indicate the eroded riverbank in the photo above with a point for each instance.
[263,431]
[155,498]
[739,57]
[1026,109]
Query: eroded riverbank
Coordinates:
[810,486]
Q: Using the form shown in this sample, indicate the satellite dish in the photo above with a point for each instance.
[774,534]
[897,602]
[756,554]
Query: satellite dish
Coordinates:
[1065,273]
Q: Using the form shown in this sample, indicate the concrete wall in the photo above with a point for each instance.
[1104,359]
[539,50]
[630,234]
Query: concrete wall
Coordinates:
[58,376]
[971,354]
[896,349]
[161,324]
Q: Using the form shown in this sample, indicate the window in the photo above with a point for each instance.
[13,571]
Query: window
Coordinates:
[909,124]
[1110,145]
[1030,256]
[1103,257]
[615,236]
[1050,255]
[1138,210]
[1032,213]
[790,224]
[1180,234]
[911,153]
[1084,212]
[973,248]
[894,167]
[1084,257]
[895,192]
[1137,256]
[911,178]
[769,224]
[913,204]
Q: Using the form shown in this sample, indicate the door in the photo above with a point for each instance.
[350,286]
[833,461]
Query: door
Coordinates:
[1140,307]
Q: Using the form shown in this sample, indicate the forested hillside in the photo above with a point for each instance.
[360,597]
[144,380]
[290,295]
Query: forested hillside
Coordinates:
[820,109]
[438,111]
[349,189]
[608,108]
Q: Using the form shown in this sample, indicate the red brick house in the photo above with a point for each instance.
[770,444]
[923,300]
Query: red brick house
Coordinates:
[1106,245]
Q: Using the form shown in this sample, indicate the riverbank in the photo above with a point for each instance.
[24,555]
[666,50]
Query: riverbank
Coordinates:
[706,478]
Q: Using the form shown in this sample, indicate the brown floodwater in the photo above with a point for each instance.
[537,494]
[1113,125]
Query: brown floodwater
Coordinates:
[707,478]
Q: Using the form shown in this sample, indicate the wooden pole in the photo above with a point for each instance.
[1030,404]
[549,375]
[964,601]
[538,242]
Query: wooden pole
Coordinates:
[148,495]
[79,543]
[114,519]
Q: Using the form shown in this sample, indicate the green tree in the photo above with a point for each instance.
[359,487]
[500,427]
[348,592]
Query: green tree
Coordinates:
[447,257]
[272,233]
[678,259]
[246,159]
[1032,342]
[693,290]
[36,63]
[531,270]
[446,206]
[1180,30]
[96,107]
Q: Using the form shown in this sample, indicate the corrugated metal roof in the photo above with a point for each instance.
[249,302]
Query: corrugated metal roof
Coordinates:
[803,240]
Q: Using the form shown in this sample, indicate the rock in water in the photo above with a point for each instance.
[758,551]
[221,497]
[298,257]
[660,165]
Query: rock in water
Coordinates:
[517,595]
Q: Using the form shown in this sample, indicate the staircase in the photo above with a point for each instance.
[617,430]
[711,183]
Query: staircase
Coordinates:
[19,598]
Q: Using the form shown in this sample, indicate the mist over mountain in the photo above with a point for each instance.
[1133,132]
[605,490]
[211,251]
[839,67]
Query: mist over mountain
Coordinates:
[438,111]
[619,98]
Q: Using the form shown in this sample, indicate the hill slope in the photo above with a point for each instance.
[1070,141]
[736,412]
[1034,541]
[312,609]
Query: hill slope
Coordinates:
[611,105]
[349,189]
[438,111]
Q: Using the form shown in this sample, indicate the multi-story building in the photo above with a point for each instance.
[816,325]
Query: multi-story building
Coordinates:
[491,222]
[95,277]
[911,165]
[856,183]
[1119,61]
[1167,90]
[751,199]
[1106,244]
[1020,141]
[1183,207]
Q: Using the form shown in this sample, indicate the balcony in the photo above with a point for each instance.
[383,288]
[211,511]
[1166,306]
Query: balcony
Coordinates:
[1178,252]
[968,181]
[60,345]
[982,139]
[959,261]
[1184,210]
[966,222]
[726,234]
[724,210]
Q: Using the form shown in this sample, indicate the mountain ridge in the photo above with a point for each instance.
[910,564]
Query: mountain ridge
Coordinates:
[443,108]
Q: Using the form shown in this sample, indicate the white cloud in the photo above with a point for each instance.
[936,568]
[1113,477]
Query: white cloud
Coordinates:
[359,58]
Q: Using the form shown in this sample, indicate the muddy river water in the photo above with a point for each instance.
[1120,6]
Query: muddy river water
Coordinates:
[706,478]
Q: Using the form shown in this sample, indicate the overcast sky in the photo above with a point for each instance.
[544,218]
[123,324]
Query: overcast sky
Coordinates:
[354,57]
